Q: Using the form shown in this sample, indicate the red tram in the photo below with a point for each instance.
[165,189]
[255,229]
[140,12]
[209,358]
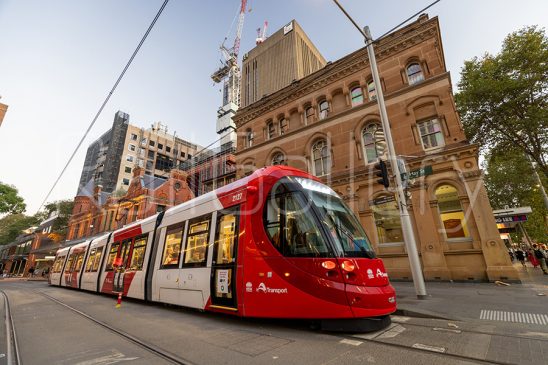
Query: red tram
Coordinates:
[276,244]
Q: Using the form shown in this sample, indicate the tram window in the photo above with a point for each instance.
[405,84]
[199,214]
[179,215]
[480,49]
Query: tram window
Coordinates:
[91,258]
[112,256]
[272,221]
[226,239]
[292,229]
[172,247]
[58,264]
[79,261]
[97,260]
[124,252]
[197,241]
[138,255]
[68,266]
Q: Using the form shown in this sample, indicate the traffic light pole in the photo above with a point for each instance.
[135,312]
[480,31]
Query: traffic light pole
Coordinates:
[408,233]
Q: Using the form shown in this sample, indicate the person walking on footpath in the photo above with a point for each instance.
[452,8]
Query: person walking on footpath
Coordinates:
[531,257]
[521,257]
[540,256]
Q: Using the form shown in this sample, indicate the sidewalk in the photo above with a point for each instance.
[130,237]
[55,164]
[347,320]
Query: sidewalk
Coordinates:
[462,301]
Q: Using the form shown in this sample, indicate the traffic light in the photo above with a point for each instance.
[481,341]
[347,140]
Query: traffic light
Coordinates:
[382,172]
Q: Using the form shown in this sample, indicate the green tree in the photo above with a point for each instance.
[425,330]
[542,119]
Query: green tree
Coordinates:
[13,225]
[63,208]
[509,181]
[10,201]
[503,98]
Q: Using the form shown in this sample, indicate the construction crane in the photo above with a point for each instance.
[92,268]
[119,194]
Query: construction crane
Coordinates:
[229,74]
[261,37]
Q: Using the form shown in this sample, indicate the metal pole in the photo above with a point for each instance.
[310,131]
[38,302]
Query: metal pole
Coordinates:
[408,234]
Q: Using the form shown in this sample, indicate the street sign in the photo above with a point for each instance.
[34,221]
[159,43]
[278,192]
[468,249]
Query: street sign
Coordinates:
[423,171]
[383,200]
[510,219]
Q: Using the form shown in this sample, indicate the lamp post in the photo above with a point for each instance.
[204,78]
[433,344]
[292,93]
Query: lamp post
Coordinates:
[407,227]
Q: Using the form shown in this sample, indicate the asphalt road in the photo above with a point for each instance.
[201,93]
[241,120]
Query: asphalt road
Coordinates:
[50,332]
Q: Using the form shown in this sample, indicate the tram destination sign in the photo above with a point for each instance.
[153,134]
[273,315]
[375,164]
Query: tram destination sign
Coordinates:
[423,171]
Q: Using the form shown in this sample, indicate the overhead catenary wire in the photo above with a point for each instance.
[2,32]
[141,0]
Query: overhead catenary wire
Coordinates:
[105,101]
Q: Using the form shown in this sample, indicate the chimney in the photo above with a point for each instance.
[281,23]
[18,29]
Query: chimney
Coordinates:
[97,192]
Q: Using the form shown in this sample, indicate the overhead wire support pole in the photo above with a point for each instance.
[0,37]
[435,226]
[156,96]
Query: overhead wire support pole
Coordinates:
[407,227]
[105,101]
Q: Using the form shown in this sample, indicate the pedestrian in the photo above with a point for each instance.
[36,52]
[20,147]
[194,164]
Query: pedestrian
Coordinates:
[31,271]
[540,256]
[531,257]
[511,255]
[521,257]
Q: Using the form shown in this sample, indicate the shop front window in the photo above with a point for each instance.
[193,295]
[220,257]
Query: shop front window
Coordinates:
[451,213]
[387,220]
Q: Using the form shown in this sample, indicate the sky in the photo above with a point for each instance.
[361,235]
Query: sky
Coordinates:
[60,58]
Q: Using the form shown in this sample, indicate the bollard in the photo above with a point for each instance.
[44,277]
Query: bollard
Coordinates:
[119,301]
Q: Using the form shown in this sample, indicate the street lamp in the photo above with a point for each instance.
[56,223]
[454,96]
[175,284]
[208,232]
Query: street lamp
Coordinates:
[407,227]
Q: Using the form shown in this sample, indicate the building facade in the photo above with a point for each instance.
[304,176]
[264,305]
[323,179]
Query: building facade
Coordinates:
[328,124]
[111,158]
[146,195]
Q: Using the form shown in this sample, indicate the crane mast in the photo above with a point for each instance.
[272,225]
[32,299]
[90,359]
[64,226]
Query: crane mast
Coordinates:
[229,75]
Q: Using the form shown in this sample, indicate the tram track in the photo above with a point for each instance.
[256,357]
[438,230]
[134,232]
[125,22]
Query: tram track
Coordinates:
[158,351]
[471,331]
[432,349]
[12,349]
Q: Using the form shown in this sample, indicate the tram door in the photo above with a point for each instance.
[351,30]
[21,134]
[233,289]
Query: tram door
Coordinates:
[223,267]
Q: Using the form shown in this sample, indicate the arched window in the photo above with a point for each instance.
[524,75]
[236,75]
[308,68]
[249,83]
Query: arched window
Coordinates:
[278,159]
[249,138]
[324,109]
[387,219]
[371,90]
[374,143]
[321,158]
[451,213]
[431,134]
[414,74]
[283,126]
[356,95]
[309,114]
[270,130]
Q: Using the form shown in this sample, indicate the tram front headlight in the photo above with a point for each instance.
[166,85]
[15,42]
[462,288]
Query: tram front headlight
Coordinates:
[348,266]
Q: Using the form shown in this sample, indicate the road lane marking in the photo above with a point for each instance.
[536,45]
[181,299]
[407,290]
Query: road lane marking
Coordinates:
[517,317]
[351,342]
[421,346]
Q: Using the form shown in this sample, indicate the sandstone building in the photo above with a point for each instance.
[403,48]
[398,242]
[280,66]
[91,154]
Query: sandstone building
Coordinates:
[3,110]
[328,123]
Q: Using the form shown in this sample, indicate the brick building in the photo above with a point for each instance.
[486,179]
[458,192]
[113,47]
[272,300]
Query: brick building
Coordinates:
[328,123]
[146,195]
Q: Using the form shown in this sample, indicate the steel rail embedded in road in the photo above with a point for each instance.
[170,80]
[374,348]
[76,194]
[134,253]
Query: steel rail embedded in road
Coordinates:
[145,345]
[423,348]
[12,349]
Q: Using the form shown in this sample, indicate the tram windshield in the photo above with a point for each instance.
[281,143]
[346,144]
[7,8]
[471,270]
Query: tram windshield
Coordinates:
[345,229]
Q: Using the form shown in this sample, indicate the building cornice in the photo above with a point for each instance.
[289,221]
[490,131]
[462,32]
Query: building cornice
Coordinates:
[352,63]
[350,110]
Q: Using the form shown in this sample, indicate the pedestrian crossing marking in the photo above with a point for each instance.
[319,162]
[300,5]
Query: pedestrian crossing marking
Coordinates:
[517,317]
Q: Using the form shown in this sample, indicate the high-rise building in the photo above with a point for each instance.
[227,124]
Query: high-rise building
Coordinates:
[111,158]
[328,124]
[285,56]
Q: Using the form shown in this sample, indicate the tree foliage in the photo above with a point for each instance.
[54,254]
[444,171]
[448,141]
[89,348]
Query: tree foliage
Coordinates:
[10,201]
[503,98]
[510,181]
[13,225]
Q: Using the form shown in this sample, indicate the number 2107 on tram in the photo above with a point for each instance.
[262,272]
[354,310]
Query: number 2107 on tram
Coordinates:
[275,244]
